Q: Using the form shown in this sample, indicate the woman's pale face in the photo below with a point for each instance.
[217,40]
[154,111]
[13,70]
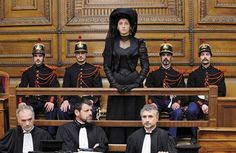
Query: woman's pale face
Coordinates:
[123,27]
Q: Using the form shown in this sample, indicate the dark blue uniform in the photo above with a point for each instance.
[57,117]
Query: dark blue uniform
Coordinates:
[42,76]
[167,78]
[81,76]
[203,77]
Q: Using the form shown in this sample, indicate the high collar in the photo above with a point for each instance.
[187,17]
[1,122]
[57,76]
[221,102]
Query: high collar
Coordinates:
[39,67]
[125,38]
[150,132]
[80,65]
[81,124]
[210,66]
[169,68]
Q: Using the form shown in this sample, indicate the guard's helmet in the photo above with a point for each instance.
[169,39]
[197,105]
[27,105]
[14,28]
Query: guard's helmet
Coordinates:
[166,48]
[38,48]
[204,47]
[80,46]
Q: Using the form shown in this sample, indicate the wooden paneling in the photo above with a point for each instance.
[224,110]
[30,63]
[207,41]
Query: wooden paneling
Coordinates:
[79,13]
[217,140]
[223,47]
[95,43]
[215,13]
[226,112]
[28,15]
[17,49]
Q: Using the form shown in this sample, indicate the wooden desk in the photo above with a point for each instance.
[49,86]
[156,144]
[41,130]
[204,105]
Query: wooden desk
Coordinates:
[217,139]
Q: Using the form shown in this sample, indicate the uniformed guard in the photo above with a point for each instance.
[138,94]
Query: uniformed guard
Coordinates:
[40,75]
[167,77]
[203,76]
[80,75]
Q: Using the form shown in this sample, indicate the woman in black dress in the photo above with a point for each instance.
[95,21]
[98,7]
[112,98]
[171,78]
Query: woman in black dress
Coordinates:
[121,54]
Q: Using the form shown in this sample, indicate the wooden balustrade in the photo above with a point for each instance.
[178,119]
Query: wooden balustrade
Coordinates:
[211,92]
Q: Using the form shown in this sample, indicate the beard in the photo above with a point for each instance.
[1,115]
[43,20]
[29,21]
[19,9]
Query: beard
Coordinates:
[165,62]
[38,63]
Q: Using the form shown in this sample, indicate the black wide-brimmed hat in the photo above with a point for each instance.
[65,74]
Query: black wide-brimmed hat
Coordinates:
[38,48]
[119,13]
[166,48]
[204,47]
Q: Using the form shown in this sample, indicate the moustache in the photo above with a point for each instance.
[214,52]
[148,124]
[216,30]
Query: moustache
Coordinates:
[165,60]
[146,123]
[205,59]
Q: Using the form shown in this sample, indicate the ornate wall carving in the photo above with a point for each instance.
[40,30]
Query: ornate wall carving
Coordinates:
[217,12]
[181,22]
[22,12]
[80,12]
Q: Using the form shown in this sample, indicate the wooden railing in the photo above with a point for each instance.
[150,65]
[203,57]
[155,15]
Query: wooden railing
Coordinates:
[211,92]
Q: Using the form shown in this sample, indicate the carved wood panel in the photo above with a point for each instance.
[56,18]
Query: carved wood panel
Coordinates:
[222,45]
[226,112]
[180,44]
[217,140]
[26,12]
[17,49]
[77,14]
[215,13]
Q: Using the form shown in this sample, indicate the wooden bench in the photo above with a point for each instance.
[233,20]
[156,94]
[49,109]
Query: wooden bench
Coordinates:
[211,92]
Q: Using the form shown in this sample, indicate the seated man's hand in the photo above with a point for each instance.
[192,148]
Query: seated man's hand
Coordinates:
[49,106]
[175,106]
[205,109]
[65,106]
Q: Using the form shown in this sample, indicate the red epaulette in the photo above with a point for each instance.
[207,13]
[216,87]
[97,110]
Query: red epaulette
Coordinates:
[153,68]
[193,69]
[52,67]
[24,69]
[222,69]
[98,66]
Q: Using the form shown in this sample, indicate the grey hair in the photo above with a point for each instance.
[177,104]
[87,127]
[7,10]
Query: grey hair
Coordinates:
[25,107]
[149,107]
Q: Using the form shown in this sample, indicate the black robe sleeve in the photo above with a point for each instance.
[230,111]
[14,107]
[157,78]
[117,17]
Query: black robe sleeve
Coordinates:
[7,143]
[39,134]
[63,134]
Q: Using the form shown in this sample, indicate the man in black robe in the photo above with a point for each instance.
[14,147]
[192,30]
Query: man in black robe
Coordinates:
[80,75]
[94,138]
[150,139]
[14,140]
